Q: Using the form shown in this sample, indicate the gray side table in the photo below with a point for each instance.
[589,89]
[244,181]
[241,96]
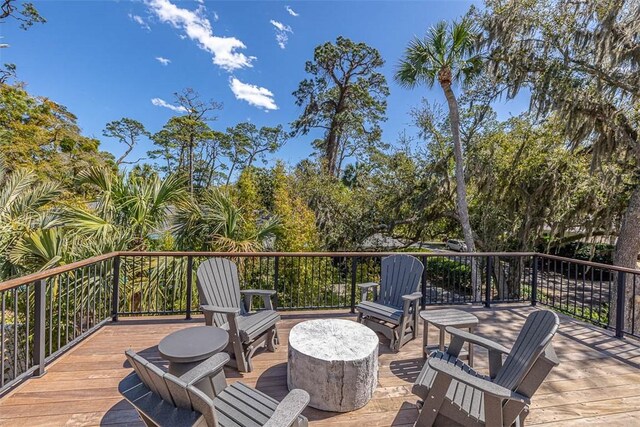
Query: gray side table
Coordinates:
[186,348]
[441,319]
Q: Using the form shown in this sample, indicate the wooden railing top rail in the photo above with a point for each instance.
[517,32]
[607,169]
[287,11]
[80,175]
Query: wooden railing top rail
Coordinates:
[18,281]
[322,254]
[45,274]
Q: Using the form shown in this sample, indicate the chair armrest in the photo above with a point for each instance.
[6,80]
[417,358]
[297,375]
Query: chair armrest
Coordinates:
[459,337]
[486,386]
[475,339]
[266,295]
[268,292]
[209,367]
[222,310]
[412,297]
[210,310]
[364,290]
[288,411]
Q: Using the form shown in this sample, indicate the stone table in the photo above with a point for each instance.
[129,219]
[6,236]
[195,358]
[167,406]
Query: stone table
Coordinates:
[335,361]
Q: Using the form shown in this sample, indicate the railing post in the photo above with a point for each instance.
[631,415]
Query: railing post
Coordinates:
[276,277]
[39,327]
[488,275]
[189,285]
[115,293]
[620,297]
[354,271]
[423,283]
[534,282]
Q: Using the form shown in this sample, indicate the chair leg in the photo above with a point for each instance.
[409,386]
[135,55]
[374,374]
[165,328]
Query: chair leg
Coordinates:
[433,402]
[359,317]
[271,339]
[395,343]
[238,351]
[492,411]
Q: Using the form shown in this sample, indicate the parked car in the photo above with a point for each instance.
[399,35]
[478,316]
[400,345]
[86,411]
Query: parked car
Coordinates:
[456,245]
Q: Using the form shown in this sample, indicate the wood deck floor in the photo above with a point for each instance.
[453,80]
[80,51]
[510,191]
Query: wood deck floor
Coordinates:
[597,382]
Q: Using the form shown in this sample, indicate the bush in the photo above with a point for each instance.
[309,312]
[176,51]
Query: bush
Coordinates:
[449,274]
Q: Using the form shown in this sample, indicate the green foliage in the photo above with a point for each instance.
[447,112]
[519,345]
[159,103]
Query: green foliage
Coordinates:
[41,135]
[346,97]
[215,223]
[298,229]
[449,274]
[127,131]
[447,53]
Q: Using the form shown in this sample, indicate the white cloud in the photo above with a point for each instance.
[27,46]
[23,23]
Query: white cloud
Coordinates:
[215,16]
[163,61]
[291,11]
[198,28]
[138,20]
[281,33]
[162,103]
[257,96]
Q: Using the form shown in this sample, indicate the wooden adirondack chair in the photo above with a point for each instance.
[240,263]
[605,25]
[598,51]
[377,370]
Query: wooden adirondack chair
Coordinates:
[162,399]
[455,394]
[220,299]
[394,309]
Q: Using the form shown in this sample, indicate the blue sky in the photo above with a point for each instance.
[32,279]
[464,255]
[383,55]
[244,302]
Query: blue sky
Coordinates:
[108,59]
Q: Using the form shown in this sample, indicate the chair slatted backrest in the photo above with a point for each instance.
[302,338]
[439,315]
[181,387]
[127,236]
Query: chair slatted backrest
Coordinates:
[218,285]
[157,378]
[138,363]
[172,389]
[400,276]
[535,336]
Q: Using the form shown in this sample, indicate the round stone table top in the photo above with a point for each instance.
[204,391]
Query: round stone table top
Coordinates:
[193,344]
[333,339]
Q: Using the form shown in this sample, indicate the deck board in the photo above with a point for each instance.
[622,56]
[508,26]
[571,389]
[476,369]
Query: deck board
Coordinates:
[597,382]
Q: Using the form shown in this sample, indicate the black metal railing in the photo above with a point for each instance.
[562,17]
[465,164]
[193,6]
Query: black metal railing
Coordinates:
[41,318]
[45,313]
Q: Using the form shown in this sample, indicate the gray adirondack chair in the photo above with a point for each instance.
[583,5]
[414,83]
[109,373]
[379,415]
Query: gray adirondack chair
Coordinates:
[394,309]
[455,394]
[163,399]
[220,299]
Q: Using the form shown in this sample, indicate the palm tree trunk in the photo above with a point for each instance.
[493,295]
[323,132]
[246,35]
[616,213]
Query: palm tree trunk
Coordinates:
[461,188]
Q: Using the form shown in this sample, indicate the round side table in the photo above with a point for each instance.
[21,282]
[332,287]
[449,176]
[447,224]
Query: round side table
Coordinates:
[186,348]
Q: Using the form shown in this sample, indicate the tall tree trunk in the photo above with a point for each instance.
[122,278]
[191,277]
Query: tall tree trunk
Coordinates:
[626,255]
[461,188]
[444,77]
[331,150]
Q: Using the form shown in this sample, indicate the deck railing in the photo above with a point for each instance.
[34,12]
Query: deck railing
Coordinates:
[45,313]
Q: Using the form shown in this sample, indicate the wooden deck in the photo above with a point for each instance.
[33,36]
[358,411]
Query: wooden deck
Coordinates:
[597,382]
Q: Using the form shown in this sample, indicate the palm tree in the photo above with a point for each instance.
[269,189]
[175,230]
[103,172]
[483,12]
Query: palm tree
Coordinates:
[126,211]
[23,198]
[216,223]
[446,54]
